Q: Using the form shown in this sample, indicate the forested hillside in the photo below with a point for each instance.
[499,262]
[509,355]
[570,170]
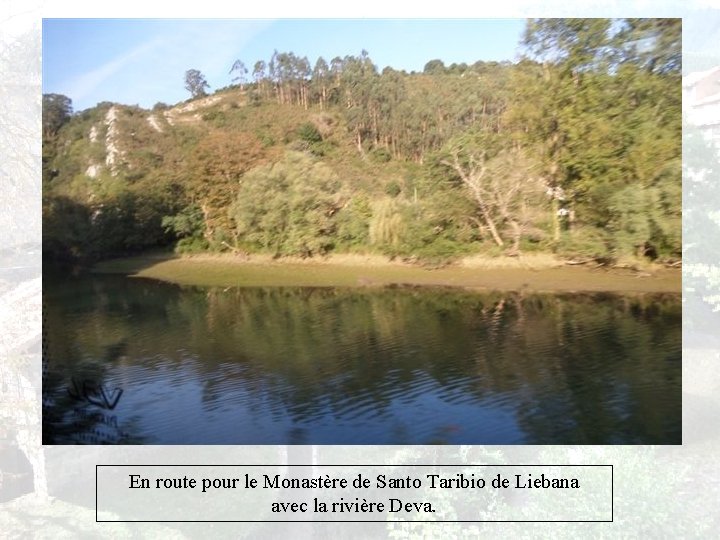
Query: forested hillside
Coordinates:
[575,150]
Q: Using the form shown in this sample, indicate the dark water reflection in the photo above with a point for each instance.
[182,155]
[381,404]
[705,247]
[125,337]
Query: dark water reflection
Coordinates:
[372,366]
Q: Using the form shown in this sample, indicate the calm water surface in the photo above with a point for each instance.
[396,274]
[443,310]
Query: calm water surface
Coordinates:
[140,361]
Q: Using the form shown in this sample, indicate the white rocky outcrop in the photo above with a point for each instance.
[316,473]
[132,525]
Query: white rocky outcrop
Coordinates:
[112,151]
[93,171]
[181,112]
[153,121]
[196,105]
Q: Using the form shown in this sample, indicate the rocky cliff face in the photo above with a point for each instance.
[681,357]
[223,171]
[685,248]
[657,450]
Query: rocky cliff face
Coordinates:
[111,136]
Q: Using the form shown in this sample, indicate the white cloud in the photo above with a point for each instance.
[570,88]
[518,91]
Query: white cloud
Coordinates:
[85,84]
[212,46]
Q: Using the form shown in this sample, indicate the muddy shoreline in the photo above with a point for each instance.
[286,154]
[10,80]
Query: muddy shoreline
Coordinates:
[537,275]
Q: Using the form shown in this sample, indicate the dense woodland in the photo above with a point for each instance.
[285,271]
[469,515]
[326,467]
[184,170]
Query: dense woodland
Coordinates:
[574,150]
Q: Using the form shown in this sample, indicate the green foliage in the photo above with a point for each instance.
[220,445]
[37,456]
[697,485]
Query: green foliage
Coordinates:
[432,231]
[196,84]
[380,155]
[311,140]
[584,242]
[255,98]
[56,111]
[240,71]
[646,221]
[322,149]
[120,224]
[605,115]
[192,245]
[215,117]
[428,236]
[434,67]
[353,224]
[386,225]
[308,133]
[287,208]
[186,224]
[305,160]
[65,226]
[393,188]
[265,139]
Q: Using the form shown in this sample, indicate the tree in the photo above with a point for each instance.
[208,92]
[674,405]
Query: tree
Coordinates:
[500,180]
[359,77]
[188,226]
[288,208]
[320,79]
[302,73]
[591,118]
[195,83]
[240,71]
[568,49]
[216,165]
[605,115]
[260,76]
[56,111]
[652,44]
[575,44]
[434,67]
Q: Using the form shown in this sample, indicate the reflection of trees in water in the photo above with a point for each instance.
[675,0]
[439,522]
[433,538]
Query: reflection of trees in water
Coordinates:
[585,368]
[592,367]
[610,371]
[76,358]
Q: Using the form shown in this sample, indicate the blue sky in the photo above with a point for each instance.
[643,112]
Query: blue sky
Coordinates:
[143,61]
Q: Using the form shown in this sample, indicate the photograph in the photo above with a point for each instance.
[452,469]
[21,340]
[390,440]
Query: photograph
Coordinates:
[364,231]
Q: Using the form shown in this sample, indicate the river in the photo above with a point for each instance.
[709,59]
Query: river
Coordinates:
[136,361]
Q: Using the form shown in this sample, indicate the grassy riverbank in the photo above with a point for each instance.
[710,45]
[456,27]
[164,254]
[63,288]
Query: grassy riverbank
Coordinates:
[540,273]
